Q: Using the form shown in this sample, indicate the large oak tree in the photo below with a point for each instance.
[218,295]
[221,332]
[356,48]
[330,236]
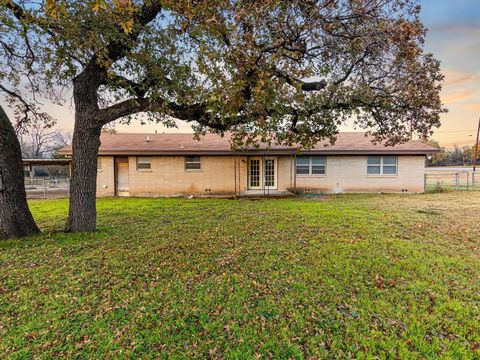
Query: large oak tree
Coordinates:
[15,217]
[291,71]
[17,73]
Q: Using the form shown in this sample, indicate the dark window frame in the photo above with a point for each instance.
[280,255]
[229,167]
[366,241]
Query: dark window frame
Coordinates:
[144,165]
[193,163]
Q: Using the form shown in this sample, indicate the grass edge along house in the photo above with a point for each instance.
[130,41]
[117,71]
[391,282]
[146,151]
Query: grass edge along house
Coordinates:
[172,164]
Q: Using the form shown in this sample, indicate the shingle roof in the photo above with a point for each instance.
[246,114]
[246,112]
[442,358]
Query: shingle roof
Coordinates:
[175,143]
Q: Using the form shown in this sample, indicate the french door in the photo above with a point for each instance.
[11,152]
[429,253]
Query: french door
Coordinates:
[262,172]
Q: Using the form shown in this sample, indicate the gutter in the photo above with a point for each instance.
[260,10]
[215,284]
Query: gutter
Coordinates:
[255,152]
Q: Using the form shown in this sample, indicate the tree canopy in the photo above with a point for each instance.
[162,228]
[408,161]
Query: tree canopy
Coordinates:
[293,70]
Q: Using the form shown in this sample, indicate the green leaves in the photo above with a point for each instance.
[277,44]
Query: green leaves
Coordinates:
[292,71]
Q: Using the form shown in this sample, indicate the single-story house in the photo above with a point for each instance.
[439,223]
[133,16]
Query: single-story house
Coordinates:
[171,164]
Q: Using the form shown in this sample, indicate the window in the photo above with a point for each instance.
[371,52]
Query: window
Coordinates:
[311,165]
[192,163]
[143,163]
[303,165]
[374,165]
[382,165]
[99,164]
[318,165]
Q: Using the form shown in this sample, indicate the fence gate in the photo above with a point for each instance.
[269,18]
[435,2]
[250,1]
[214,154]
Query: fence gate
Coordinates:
[43,188]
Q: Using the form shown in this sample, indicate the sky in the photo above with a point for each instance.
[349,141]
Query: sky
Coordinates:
[454,39]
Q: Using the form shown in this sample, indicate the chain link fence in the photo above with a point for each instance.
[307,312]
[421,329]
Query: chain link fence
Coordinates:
[47,188]
[452,181]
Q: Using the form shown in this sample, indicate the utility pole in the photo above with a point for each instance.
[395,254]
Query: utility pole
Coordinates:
[475,153]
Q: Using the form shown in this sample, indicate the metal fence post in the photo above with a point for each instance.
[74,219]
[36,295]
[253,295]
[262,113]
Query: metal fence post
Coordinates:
[457,181]
[44,189]
[473,181]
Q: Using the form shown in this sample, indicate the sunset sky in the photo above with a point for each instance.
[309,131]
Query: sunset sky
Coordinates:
[454,38]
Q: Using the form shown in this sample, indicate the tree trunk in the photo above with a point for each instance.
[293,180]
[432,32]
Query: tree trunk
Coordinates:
[15,217]
[82,215]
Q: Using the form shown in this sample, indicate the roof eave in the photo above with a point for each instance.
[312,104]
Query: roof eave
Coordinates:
[260,152]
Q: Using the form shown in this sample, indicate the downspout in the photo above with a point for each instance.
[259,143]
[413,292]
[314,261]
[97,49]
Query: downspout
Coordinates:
[295,175]
[239,176]
[291,168]
[115,175]
[235,173]
[263,174]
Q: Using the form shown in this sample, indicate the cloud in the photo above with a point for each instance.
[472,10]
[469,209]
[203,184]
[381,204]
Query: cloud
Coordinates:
[458,77]
[456,96]
[472,107]
[467,29]
[461,86]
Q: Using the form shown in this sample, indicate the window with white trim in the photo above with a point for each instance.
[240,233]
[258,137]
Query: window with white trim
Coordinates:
[193,163]
[311,165]
[143,163]
[382,165]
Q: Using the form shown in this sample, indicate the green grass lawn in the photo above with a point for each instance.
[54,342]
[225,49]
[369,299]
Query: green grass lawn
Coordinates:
[343,276]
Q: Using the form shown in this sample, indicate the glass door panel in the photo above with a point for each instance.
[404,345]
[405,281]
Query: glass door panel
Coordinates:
[254,175]
[269,171]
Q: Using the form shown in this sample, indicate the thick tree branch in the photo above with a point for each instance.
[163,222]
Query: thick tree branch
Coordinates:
[137,105]
[321,84]
[186,112]
[13,94]
[16,9]
[20,14]
[26,106]
[139,89]
[118,49]
[305,86]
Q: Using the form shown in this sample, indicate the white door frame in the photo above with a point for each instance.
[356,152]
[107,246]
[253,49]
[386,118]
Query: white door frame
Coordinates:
[262,161]
[257,172]
[122,173]
[275,171]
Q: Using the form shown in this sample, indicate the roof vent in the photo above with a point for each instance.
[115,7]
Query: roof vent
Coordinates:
[148,138]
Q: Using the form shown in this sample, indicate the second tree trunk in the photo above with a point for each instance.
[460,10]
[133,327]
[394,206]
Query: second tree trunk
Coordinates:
[15,217]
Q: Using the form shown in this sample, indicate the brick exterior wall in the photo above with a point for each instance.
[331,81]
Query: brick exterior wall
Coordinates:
[349,174]
[168,177]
